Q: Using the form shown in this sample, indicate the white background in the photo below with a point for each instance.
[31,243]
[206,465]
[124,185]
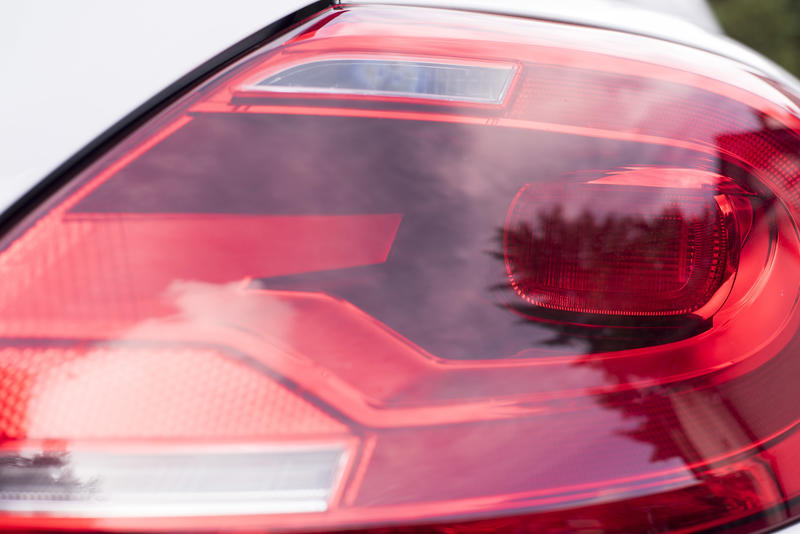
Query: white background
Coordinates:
[70,69]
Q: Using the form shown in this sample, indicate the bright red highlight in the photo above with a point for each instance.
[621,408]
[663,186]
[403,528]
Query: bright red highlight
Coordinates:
[220,248]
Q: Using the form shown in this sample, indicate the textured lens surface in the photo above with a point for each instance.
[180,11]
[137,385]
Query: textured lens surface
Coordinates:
[616,250]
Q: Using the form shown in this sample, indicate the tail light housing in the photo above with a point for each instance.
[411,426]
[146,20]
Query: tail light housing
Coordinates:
[406,268]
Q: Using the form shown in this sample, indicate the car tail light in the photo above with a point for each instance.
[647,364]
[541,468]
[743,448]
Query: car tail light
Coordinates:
[408,268]
[621,250]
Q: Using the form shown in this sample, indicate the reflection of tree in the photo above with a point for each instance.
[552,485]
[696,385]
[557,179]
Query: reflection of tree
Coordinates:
[589,249]
[47,475]
[586,246]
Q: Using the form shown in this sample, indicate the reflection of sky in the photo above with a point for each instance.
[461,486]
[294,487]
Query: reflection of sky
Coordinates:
[453,185]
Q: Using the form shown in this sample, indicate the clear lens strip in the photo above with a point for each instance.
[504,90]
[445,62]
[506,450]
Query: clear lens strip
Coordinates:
[279,480]
[383,77]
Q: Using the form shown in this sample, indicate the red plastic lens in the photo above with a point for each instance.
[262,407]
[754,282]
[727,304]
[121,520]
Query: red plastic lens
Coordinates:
[506,275]
[619,250]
